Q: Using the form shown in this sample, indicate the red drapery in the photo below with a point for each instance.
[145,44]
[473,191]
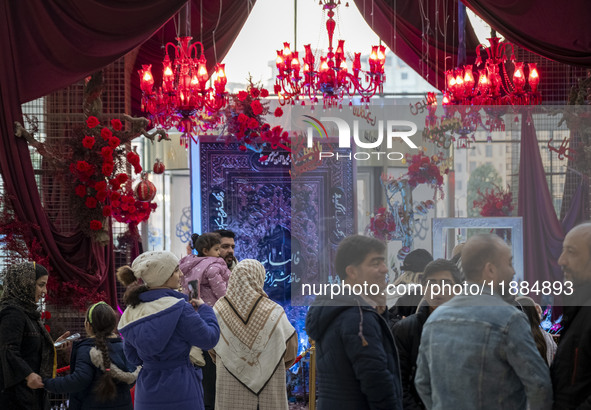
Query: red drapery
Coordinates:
[47,45]
[559,31]
[423,34]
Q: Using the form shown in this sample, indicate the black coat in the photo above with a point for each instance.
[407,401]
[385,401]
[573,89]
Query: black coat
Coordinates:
[21,344]
[84,376]
[356,357]
[571,368]
[407,334]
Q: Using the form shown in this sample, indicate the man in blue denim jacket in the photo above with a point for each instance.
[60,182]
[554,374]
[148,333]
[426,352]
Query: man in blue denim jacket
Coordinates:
[477,351]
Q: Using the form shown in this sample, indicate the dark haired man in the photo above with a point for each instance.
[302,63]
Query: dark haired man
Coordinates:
[227,247]
[357,360]
[407,332]
[571,368]
[477,351]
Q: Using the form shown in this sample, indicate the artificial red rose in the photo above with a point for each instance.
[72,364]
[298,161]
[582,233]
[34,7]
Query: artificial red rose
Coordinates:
[115,196]
[83,166]
[255,92]
[80,191]
[242,118]
[116,124]
[133,158]
[380,225]
[252,123]
[107,169]
[46,315]
[242,95]
[264,93]
[106,211]
[114,142]
[115,204]
[278,112]
[101,196]
[92,121]
[277,89]
[137,168]
[96,225]
[107,153]
[242,148]
[100,186]
[88,142]
[106,133]
[90,202]
[257,107]
[121,178]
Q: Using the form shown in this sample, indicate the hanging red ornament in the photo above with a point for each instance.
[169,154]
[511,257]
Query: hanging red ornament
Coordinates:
[145,191]
[159,167]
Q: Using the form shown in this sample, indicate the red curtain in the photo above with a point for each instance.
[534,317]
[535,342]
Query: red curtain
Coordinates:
[47,45]
[422,33]
[559,31]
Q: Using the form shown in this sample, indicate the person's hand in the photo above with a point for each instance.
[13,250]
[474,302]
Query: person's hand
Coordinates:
[66,344]
[196,302]
[189,249]
[34,381]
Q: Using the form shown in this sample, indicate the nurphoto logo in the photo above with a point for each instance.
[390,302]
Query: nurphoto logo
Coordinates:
[393,129]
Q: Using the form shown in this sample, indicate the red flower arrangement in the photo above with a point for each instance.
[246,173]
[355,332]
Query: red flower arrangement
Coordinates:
[98,165]
[423,169]
[382,225]
[245,119]
[495,202]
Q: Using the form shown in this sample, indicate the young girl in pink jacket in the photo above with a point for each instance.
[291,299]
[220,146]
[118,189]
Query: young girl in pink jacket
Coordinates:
[207,267]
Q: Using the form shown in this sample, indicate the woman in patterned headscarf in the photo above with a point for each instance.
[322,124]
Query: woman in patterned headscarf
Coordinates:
[257,343]
[27,354]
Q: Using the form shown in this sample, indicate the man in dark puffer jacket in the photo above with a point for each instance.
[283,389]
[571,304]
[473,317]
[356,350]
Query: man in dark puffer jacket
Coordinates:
[356,356]
[407,332]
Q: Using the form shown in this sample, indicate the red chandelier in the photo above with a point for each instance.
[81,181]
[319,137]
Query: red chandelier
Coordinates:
[184,99]
[332,78]
[494,86]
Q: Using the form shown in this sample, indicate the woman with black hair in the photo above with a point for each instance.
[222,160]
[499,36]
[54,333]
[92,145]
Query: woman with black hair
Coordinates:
[100,375]
[27,354]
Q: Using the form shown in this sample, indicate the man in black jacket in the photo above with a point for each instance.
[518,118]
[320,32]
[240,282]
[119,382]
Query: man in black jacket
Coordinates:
[407,332]
[356,357]
[571,369]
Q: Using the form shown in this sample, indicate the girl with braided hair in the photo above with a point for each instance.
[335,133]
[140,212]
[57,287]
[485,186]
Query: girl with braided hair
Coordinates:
[100,375]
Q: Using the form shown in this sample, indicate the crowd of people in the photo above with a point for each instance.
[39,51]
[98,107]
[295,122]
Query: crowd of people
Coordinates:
[201,333]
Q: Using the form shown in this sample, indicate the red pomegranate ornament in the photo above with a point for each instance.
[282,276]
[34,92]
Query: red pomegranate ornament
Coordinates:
[159,167]
[145,191]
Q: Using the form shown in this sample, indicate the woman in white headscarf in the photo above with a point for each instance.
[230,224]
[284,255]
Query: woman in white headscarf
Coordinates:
[257,343]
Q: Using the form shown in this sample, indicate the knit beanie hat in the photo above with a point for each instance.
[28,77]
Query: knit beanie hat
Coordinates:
[155,267]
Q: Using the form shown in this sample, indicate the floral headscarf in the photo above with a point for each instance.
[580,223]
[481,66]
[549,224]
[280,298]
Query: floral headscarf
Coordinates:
[20,281]
[19,288]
